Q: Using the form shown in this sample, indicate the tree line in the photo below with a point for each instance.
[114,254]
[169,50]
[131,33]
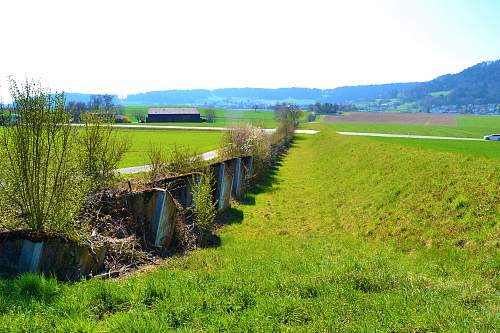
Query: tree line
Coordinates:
[98,104]
[331,108]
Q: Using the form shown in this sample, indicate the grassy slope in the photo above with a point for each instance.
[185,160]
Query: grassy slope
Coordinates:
[489,149]
[467,126]
[141,141]
[353,234]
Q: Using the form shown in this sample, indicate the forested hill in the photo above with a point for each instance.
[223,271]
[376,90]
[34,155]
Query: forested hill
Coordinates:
[256,96]
[479,84]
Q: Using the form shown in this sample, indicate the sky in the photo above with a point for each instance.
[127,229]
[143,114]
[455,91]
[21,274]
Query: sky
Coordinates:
[123,47]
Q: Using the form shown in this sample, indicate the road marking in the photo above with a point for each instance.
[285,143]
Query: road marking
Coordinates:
[408,136]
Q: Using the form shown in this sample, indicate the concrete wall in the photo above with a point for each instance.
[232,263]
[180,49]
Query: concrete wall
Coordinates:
[155,210]
[66,260]
[155,213]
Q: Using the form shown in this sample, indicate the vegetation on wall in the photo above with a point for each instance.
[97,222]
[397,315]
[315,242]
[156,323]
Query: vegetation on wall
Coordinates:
[101,147]
[204,208]
[48,167]
[178,160]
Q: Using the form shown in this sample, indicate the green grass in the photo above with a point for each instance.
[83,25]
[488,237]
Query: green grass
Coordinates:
[488,149]
[352,234]
[467,126]
[224,118]
[140,141]
[440,93]
[405,107]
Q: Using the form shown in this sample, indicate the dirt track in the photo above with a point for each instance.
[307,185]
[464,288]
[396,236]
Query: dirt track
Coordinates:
[395,118]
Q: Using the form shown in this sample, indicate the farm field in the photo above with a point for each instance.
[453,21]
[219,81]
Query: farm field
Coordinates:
[466,126]
[140,141]
[394,118]
[348,234]
[264,118]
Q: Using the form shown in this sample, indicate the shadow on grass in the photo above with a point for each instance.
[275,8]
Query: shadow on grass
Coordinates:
[230,216]
[264,183]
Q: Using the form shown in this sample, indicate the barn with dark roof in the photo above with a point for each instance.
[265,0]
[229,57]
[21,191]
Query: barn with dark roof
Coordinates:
[173,115]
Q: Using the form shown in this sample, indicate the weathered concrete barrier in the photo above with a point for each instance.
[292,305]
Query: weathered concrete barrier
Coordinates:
[238,181]
[21,253]
[155,210]
[224,173]
[243,172]
[248,167]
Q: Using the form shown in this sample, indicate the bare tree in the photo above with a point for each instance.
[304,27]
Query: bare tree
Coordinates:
[210,115]
[108,102]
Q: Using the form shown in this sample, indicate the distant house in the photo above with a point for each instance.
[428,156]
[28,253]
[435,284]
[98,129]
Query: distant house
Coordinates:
[173,115]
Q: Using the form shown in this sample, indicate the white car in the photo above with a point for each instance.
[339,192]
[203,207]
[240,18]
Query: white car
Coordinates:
[493,137]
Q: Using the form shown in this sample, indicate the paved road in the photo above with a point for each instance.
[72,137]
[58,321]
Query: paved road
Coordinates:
[145,168]
[410,136]
[196,128]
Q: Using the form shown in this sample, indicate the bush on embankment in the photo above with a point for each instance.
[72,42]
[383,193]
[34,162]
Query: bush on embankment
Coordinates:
[48,168]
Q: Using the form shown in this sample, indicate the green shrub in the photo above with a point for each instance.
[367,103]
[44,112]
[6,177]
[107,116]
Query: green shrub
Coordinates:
[41,179]
[247,140]
[157,162]
[180,160]
[101,148]
[204,208]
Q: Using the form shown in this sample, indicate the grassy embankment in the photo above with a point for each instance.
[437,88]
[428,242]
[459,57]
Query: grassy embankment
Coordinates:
[353,234]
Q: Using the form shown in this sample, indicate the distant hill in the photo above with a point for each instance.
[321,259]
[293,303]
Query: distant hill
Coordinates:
[248,97]
[479,84]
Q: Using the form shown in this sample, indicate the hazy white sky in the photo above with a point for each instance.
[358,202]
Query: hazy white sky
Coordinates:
[135,46]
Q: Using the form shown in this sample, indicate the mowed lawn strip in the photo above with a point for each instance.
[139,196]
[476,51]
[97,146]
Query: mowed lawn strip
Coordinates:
[350,234]
[141,140]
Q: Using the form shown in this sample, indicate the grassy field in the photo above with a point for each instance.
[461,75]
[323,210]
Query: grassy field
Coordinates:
[140,141]
[350,234]
[487,149]
[467,126]
[224,118]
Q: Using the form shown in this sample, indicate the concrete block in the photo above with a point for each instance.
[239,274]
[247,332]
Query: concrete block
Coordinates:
[155,211]
[21,253]
[238,183]
[163,221]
